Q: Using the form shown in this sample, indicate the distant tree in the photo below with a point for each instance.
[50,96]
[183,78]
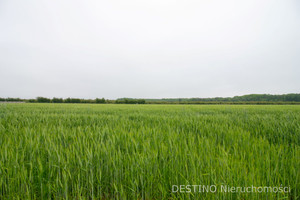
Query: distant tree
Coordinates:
[43,100]
[72,100]
[100,100]
[67,100]
[130,101]
[75,100]
[14,99]
[119,101]
[57,100]
[32,100]
[88,101]
[141,101]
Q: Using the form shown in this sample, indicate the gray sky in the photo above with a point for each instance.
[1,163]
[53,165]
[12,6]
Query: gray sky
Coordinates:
[148,49]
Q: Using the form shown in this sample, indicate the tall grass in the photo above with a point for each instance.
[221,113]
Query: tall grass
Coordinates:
[140,151]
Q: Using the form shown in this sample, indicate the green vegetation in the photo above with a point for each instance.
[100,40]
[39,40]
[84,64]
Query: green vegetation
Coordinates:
[100,100]
[245,99]
[85,151]
[130,101]
[252,99]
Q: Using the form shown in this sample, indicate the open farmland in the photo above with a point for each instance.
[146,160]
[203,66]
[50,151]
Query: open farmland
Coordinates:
[76,151]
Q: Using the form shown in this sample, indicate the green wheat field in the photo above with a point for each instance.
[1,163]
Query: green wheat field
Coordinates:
[86,151]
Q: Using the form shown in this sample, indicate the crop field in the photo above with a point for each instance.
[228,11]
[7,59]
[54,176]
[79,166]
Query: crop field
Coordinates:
[88,151]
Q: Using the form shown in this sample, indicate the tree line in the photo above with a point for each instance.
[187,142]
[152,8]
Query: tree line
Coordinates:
[245,99]
[235,99]
[73,100]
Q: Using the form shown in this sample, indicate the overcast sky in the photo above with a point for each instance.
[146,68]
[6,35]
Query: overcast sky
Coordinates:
[148,48]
